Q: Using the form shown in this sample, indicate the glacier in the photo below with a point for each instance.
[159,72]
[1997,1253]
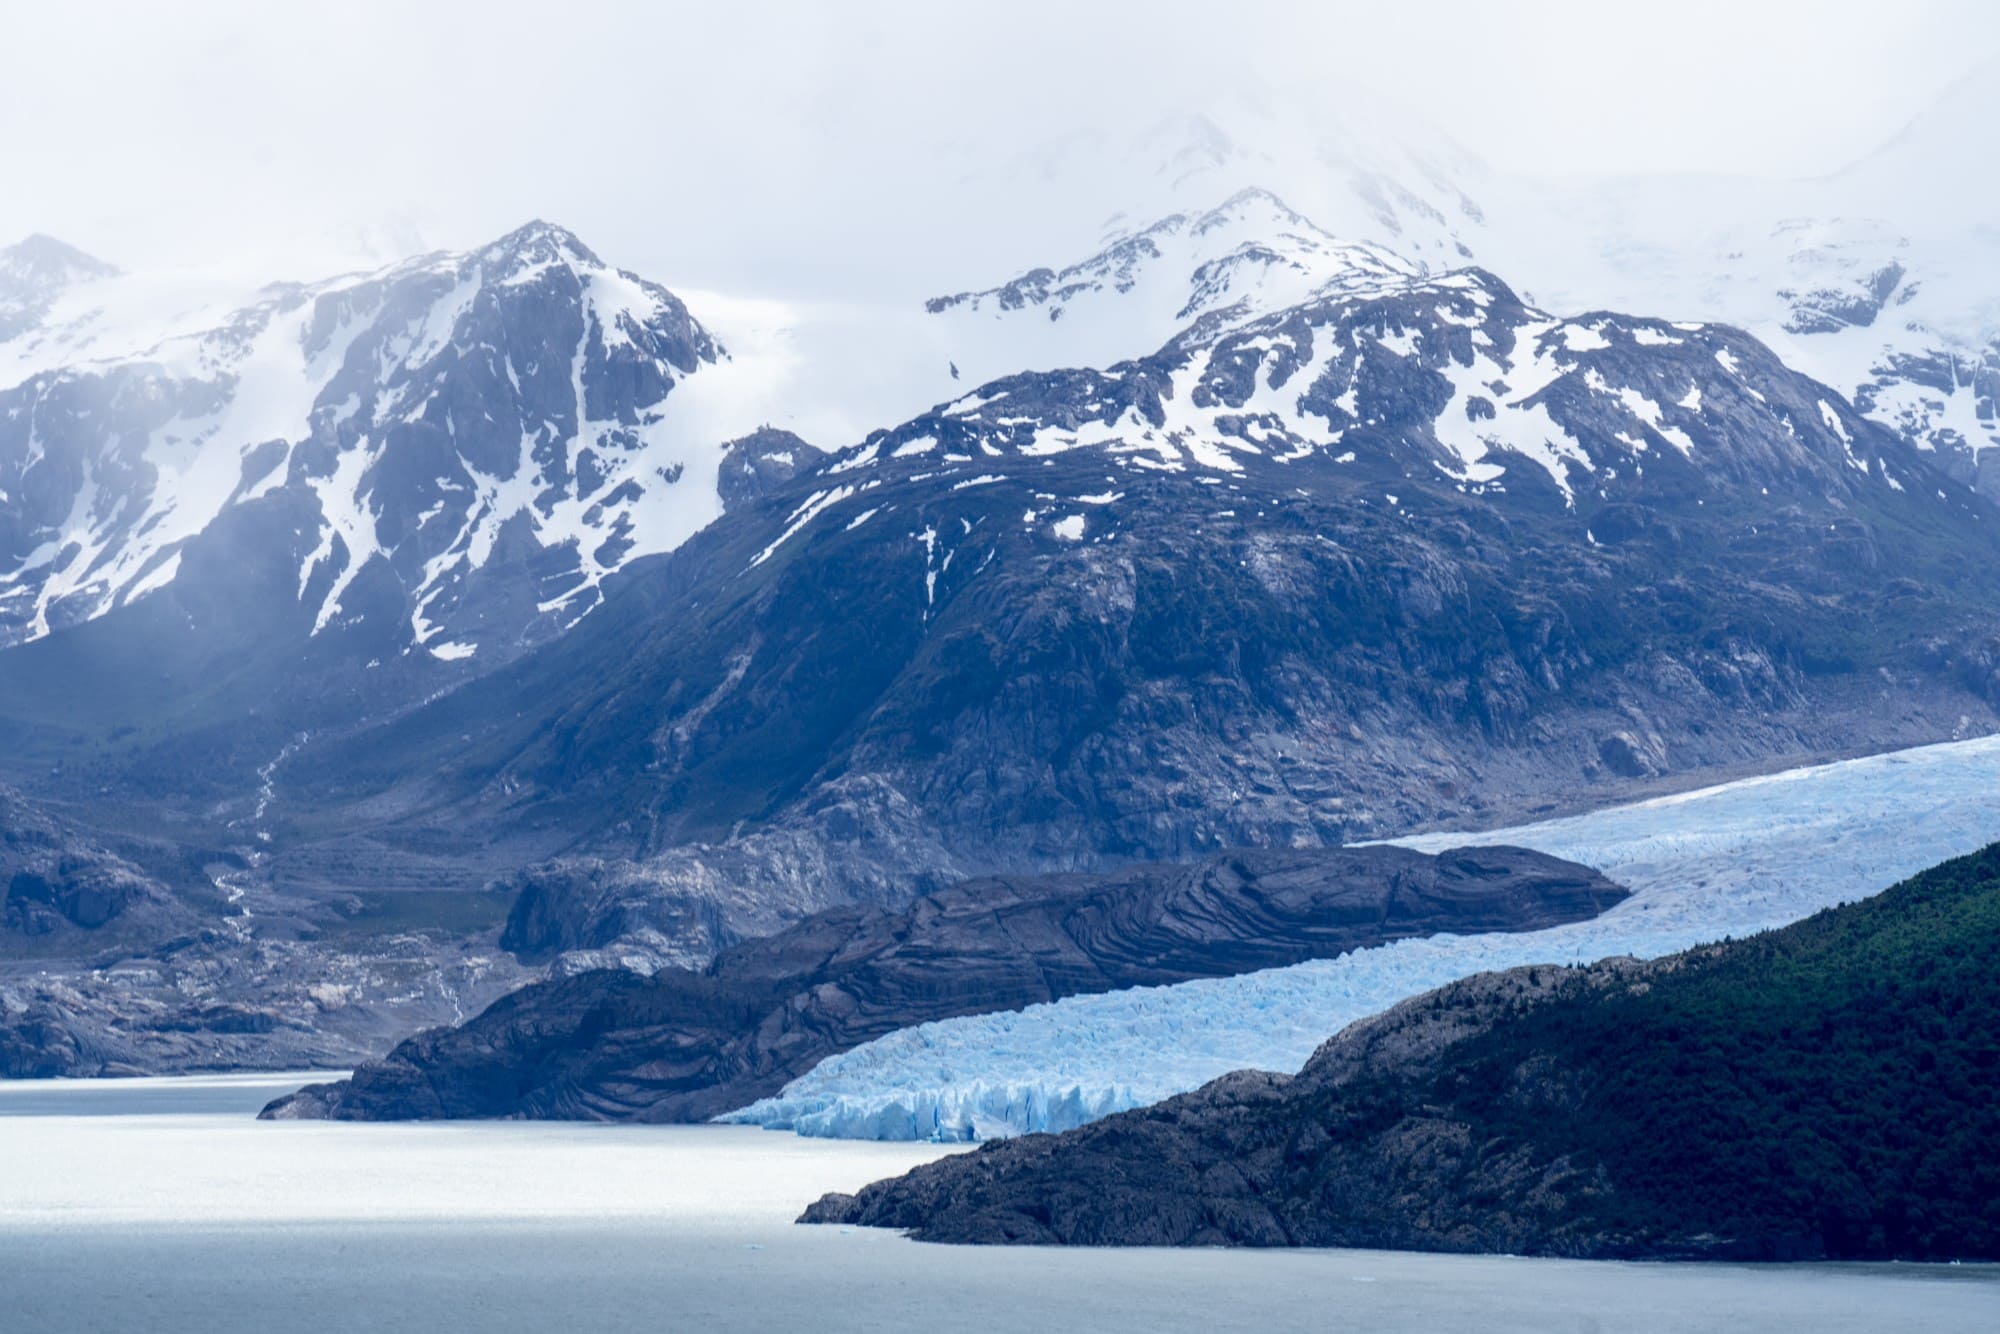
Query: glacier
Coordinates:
[1717,862]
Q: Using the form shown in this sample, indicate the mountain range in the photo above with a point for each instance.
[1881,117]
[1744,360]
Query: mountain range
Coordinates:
[486,614]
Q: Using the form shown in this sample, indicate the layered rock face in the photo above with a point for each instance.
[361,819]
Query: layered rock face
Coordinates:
[683,1046]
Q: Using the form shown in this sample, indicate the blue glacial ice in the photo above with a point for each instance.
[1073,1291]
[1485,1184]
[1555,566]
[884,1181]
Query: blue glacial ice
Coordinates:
[1721,861]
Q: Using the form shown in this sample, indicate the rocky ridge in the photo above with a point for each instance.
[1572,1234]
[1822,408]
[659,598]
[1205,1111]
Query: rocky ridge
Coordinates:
[682,1045]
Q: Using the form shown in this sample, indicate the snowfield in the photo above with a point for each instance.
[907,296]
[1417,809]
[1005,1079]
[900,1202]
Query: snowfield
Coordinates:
[1722,861]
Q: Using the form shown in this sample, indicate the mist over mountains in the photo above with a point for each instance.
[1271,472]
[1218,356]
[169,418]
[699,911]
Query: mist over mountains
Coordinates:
[503,609]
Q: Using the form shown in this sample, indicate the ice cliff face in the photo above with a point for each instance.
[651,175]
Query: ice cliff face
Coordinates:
[1725,861]
[589,1046]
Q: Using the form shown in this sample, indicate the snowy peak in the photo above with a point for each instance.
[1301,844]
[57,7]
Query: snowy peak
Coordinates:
[506,407]
[1202,270]
[1251,246]
[1366,171]
[512,396]
[43,259]
[1448,382]
[34,272]
[1898,323]
[537,243]
[1278,257]
[1879,280]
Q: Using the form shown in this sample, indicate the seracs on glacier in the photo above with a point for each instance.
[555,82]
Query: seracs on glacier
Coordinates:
[1722,861]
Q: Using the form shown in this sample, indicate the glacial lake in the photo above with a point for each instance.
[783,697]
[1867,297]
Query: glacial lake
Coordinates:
[161,1205]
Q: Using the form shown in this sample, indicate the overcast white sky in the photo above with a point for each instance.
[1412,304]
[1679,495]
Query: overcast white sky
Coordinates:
[751,148]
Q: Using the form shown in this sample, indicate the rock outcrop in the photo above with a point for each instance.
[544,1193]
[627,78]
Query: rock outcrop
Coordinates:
[685,1046]
[60,889]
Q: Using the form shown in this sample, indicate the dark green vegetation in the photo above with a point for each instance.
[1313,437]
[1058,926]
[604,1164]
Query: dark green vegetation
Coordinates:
[1833,1086]
[1822,1091]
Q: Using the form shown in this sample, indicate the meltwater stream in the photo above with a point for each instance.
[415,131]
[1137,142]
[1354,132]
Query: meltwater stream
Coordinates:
[162,1205]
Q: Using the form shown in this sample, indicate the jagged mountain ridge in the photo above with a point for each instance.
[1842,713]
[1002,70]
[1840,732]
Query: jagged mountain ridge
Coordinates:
[1409,549]
[511,399]
[1206,269]
[1380,559]
[1876,280]
[1890,310]
[1452,372]
[34,274]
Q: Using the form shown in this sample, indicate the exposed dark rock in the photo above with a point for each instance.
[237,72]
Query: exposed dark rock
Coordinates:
[59,889]
[856,841]
[758,463]
[683,1046]
[1831,309]
[1629,756]
[945,651]
[1019,656]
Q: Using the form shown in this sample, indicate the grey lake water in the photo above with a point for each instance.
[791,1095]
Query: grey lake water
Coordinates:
[162,1205]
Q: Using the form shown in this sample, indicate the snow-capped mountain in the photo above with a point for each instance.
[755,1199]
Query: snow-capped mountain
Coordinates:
[1411,552]
[1451,377]
[496,430]
[1248,256]
[1366,172]
[34,275]
[1858,289]
[1242,531]
[1878,280]
[1221,209]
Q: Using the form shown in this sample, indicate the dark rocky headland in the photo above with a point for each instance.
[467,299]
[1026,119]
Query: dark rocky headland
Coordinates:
[687,1045]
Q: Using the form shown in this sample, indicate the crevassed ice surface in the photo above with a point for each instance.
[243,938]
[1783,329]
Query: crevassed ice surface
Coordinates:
[1722,861]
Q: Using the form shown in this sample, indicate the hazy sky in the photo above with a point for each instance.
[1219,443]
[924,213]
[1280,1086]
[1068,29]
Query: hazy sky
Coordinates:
[749,145]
